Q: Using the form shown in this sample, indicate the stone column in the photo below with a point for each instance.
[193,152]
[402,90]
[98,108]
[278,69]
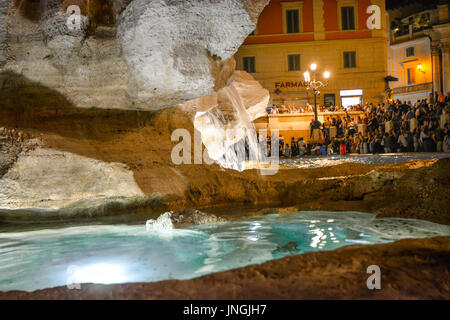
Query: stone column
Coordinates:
[436,69]
[273,123]
[445,47]
[319,29]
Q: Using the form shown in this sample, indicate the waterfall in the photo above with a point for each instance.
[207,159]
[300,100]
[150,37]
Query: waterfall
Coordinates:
[230,143]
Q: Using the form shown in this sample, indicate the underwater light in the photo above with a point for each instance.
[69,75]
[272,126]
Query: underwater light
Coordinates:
[101,273]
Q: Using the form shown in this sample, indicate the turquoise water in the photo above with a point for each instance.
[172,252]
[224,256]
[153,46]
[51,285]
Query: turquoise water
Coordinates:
[129,253]
[384,158]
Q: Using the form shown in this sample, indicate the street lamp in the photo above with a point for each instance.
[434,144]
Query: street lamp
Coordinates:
[314,85]
[420,68]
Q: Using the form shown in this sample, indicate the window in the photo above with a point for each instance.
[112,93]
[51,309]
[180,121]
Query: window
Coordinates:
[294,62]
[411,75]
[329,99]
[292,14]
[292,25]
[350,59]
[348,18]
[410,51]
[249,64]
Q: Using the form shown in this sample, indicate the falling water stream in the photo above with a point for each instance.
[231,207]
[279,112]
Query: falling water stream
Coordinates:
[229,142]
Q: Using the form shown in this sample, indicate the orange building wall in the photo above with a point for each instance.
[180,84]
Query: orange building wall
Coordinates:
[362,15]
[270,23]
[308,22]
[324,46]
[279,39]
[330,15]
[348,35]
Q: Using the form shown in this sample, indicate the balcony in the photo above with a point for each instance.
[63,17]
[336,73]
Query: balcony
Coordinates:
[414,25]
[413,88]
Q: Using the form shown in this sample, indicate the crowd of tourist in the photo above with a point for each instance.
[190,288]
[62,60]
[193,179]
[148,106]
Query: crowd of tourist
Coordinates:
[388,128]
[287,109]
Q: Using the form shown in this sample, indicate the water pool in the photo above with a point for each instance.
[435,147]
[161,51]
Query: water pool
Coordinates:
[384,158]
[129,253]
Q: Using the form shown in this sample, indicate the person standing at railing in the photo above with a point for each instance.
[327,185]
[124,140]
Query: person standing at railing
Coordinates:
[339,127]
[287,151]
[441,99]
[351,127]
[301,146]
[311,128]
[386,141]
[402,142]
[416,141]
[294,148]
[439,136]
[446,142]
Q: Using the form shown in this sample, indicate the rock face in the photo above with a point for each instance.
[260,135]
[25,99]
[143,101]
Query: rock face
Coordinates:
[193,217]
[44,179]
[142,141]
[3,18]
[135,54]
[185,46]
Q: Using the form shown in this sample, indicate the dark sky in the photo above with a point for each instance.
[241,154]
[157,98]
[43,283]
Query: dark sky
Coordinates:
[392,4]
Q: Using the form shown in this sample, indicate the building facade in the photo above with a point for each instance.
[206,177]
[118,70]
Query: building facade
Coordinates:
[334,34]
[419,50]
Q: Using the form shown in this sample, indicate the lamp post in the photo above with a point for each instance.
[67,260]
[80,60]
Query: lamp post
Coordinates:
[420,68]
[314,85]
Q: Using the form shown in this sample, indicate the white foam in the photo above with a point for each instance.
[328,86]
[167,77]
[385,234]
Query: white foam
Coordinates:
[162,223]
[226,140]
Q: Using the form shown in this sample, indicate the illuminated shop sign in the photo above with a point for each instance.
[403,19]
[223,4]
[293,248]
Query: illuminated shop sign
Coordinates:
[349,93]
[289,84]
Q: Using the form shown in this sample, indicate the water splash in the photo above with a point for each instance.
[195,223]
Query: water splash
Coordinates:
[230,138]
[162,223]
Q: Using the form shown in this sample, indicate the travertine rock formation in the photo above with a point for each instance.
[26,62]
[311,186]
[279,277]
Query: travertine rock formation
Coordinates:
[192,217]
[48,179]
[125,54]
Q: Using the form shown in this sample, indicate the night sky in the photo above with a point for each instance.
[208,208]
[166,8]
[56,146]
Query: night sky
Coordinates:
[392,4]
